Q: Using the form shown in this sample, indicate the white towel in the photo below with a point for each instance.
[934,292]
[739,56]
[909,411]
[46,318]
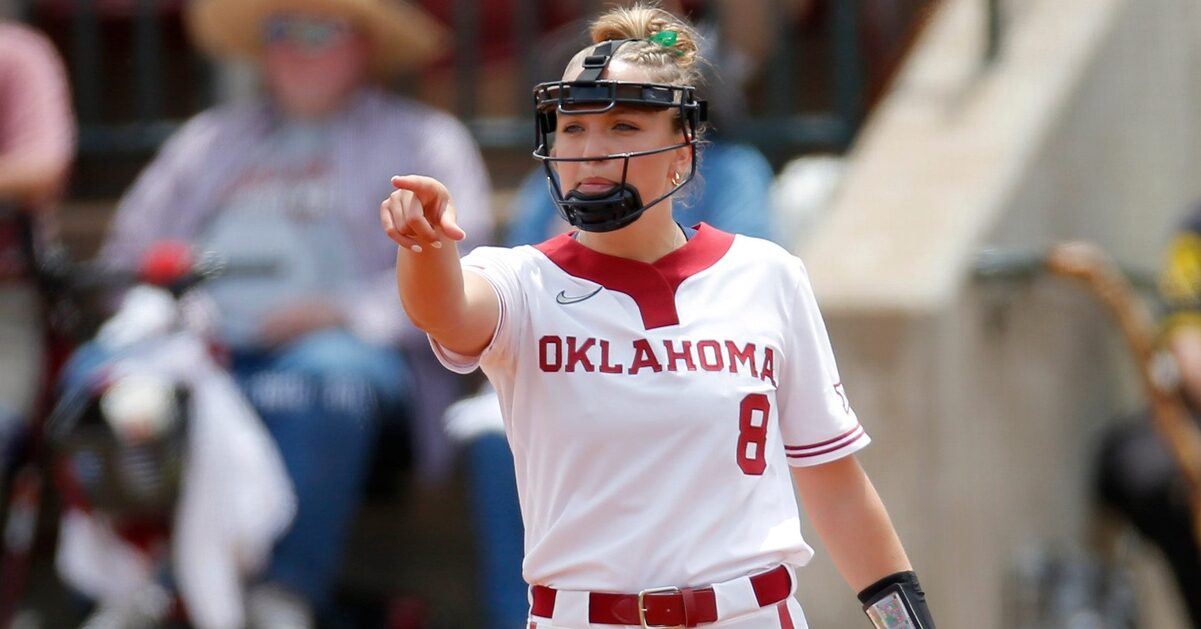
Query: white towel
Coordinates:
[235,501]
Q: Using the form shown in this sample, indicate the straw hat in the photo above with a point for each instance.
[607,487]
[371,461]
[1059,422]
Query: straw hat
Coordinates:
[403,35]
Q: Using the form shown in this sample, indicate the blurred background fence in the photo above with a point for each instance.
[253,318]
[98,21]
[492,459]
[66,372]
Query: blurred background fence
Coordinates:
[135,77]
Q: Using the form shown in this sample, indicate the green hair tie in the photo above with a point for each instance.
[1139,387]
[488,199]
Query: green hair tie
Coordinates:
[666,39]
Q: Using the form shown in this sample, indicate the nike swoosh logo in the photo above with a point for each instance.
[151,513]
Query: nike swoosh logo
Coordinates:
[562,297]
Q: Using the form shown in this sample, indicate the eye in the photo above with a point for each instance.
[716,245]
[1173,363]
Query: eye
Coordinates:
[625,126]
[571,128]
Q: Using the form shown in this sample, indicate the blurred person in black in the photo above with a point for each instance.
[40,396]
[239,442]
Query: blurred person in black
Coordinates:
[1137,475]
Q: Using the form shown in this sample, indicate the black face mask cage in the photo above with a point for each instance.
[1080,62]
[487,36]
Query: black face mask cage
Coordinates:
[622,205]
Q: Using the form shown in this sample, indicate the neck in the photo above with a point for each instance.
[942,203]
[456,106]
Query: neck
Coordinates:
[654,235]
[317,111]
[305,113]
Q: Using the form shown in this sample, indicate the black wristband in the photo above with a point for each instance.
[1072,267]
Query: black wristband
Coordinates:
[897,598]
[898,578]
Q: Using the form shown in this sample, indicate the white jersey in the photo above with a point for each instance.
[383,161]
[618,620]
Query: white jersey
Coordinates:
[653,409]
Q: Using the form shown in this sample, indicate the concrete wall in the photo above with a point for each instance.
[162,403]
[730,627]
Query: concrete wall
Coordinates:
[985,400]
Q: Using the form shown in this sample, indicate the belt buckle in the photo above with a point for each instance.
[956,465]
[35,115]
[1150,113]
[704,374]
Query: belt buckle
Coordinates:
[642,605]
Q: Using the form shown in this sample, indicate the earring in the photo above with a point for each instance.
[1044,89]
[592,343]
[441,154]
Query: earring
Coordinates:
[676,178]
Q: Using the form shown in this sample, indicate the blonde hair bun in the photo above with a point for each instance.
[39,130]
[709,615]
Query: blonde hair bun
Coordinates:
[673,59]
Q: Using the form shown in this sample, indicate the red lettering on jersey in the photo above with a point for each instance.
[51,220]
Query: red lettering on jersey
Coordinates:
[768,371]
[546,353]
[746,357]
[712,361]
[605,367]
[579,355]
[644,357]
[673,355]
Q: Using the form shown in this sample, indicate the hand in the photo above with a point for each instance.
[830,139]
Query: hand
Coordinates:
[416,211]
[295,320]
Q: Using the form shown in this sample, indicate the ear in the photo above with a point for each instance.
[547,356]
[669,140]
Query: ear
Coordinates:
[682,159]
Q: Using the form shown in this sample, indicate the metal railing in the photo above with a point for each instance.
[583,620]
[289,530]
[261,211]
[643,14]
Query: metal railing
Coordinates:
[781,126]
[150,127]
[99,82]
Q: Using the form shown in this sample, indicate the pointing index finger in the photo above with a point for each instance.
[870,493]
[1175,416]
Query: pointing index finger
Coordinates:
[424,188]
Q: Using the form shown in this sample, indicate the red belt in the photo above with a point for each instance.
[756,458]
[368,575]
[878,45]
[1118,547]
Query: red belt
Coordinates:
[665,607]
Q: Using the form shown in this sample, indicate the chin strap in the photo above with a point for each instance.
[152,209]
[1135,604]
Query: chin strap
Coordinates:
[607,211]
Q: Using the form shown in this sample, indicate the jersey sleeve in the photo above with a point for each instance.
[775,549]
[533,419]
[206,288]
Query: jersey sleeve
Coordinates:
[816,418]
[501,268]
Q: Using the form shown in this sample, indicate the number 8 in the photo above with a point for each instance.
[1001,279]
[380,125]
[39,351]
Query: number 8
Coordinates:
[752,437]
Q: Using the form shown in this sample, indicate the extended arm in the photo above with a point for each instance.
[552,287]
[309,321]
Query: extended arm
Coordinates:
[459,310]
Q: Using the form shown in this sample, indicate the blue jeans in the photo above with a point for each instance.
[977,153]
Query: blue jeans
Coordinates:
[498,526]
[322,399]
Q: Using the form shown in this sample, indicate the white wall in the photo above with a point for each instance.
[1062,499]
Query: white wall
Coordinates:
[984,400]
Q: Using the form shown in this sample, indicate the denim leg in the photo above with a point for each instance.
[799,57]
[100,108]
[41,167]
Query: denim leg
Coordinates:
[320,400]
[334,353]
[499,531]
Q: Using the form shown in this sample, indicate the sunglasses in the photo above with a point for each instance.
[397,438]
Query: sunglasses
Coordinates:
[311,34]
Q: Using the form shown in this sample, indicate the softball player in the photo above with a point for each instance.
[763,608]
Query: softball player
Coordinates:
[662,387]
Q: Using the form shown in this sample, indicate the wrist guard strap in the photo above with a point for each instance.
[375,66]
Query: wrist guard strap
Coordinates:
[897,602]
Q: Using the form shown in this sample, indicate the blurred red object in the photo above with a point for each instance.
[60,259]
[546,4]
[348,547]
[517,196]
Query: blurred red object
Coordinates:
[166,262]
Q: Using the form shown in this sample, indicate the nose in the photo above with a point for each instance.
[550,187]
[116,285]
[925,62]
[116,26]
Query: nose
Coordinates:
[594,145]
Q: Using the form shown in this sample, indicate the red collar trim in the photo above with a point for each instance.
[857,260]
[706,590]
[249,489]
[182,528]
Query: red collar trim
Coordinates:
[651,286]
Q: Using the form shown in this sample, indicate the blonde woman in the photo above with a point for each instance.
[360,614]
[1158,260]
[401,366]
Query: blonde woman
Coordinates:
[662,386]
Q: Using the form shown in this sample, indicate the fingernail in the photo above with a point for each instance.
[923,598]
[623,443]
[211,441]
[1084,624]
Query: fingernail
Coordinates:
[437,244]
[415,248]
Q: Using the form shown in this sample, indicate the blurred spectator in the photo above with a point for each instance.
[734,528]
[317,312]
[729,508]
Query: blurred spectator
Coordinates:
[291,184]
[37,141]
[1138,475]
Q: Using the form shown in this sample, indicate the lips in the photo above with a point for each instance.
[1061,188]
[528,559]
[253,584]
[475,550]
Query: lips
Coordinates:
[595,185]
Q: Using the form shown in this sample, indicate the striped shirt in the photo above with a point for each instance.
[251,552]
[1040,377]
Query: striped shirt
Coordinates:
[35,104]
[36,127]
